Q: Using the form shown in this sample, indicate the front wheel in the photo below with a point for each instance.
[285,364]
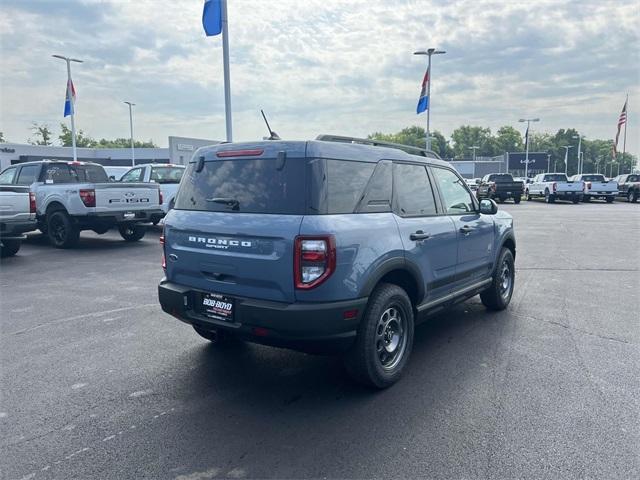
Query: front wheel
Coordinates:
[132,233]
[9,248]
[632,196]
[384,340]
[498,295]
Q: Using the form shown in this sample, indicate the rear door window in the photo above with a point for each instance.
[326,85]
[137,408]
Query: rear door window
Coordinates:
[245,186]
[58,173]
[414,194]
[28,175]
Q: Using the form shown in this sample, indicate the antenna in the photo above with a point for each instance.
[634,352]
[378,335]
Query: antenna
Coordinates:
[272,135]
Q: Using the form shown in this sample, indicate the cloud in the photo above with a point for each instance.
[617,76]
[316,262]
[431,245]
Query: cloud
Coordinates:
[329,66]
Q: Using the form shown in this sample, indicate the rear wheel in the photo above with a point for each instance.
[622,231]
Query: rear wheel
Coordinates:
[609,199]
[516,200]
[131,232]
[384,340]
[548,198]
[498,295]
[632,196]
[62,230]
[576,200]
[9,248]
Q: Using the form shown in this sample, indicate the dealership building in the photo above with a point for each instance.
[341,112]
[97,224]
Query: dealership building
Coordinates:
[180,151]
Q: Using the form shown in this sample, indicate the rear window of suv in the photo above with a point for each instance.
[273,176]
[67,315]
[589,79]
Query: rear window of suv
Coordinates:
[244,186]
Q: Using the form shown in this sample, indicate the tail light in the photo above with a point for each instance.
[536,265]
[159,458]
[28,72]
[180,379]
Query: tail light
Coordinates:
[587,186]
[314,260]
[164,260]
[160,196]
[32,202]
[554,187]
[492,187]
[88,197]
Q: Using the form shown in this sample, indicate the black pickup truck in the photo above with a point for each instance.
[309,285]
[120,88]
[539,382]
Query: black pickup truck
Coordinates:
[500,186]
[629,186]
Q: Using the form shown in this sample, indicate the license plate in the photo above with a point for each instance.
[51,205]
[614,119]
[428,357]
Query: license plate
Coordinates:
[508,193]
[129,215]
[218,307]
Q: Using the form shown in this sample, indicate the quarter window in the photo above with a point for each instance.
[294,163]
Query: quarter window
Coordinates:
[457,198]
[414,193]
[345,184]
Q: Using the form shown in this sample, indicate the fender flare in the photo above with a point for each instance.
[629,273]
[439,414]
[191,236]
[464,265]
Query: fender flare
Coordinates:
[389,265]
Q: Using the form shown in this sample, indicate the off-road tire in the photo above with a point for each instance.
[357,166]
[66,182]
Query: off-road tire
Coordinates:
[496,297]
[132,233]
[62,230]
[9,248]
[364,361]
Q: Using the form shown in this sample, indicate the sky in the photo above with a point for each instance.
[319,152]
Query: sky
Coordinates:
[320,66]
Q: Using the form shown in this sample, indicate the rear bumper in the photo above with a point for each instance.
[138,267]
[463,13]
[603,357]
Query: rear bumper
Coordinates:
[567,195]
[140,216]
[16,230]
[301,326]
[600,194]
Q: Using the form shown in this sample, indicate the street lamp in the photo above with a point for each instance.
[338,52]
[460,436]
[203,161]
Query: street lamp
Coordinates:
[580,165]
[69,96]
[566,156]
[474,148]
[429,52]
[526,154]
[548,161]
[133,155]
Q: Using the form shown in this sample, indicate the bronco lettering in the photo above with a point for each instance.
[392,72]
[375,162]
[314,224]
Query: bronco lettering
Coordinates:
[220,243]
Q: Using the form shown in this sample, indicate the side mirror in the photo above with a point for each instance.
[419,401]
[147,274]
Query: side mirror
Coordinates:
[488,206]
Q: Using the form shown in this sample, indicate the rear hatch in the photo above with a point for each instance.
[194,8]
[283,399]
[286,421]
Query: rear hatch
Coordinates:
[597,183]
[14,203]
[236,215]
[509,187]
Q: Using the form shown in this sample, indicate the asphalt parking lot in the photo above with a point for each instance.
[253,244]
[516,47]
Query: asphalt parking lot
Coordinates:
[97,382]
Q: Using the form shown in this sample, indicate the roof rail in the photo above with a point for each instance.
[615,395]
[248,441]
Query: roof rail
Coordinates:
[422,152]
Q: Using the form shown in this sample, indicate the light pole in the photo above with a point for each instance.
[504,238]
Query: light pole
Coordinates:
[526,153]
[69,96]
[474,148]
[548,161]
[579,137]
[566,156]
[133,155]
[429,52]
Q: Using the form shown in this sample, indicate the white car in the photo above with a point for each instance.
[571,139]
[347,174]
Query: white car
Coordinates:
[597,187]
[166,175]
[115,173]
[554,186]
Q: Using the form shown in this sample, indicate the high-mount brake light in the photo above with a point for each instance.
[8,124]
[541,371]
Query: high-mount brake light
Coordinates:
[255,152]
[88,196]
[32,202]
[314,260]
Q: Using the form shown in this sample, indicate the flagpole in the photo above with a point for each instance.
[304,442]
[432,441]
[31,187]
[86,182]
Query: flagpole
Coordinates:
[227,82]
[626,120]
[72,105]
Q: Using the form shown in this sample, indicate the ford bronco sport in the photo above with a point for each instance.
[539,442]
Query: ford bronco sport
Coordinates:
[326,245]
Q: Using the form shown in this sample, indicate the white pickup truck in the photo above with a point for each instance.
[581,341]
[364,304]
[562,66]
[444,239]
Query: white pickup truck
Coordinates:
[17,216]
[166,175]
[554,186]
[597,187]
[75,196]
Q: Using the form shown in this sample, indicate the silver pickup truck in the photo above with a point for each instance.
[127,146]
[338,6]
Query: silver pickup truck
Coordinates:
[17,216]
[75,196]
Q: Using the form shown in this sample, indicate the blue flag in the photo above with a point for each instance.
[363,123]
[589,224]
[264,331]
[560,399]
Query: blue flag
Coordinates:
[70,99]
[212,17]
[423,101]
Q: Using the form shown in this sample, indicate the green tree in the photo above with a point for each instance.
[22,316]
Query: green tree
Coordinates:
[2,140]
[416,136]
[123,143]
[508,139]
[467,136]
[42,134]
[82,140]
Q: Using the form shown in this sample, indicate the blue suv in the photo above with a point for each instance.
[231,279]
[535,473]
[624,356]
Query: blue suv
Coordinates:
[321,245]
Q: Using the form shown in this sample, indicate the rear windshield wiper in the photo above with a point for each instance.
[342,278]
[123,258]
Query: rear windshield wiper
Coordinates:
[232,203]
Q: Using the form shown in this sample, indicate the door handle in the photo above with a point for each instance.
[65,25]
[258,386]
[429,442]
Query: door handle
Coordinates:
[419,235]
[466,229]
